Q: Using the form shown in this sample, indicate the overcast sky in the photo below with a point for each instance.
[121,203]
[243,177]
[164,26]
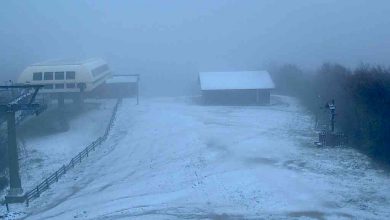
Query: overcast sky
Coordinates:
[182,37]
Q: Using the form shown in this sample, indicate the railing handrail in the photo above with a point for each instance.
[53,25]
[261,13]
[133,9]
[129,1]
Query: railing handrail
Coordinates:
[45,184]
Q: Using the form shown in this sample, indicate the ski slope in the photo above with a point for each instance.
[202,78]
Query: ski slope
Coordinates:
[45,150]
[169,158]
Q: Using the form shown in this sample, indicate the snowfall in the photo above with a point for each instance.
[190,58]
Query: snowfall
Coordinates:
[171,158]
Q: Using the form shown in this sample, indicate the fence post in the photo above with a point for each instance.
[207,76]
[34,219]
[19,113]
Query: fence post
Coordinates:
[37,193]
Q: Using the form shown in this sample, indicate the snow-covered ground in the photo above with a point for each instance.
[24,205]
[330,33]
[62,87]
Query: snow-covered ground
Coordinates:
[171,159]
[44,149]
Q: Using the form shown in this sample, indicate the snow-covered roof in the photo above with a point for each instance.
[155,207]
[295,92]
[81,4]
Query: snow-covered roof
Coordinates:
[61,62]
[123,79]
[235,80]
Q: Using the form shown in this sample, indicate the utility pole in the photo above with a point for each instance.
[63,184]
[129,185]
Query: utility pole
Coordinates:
[13,160]
[332,108]
[331,138]
[23,102]
[137,89]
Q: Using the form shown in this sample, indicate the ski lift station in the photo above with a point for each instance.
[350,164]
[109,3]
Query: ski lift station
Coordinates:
[62,79]
[78,79]
[67,76]
[236,88]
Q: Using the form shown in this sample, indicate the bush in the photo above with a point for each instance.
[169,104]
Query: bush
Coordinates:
[362,98]
[370,91]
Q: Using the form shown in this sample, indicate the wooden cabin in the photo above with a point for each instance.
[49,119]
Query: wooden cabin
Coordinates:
[236,88]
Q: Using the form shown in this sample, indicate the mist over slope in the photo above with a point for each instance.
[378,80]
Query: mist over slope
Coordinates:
[168,43]
[169,158]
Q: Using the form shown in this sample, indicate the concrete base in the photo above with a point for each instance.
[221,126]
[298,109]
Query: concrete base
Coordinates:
[9,199]
[15,195]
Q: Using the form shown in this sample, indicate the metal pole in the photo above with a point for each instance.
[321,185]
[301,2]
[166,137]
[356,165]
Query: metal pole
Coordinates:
[61,100]
[13,159]
[333,121]
[333,111]
[137,90]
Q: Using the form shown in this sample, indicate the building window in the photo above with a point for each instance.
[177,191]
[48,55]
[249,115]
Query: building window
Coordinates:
[70,85]
[48,76]
[48,86]
[59,75]
[71,75]
[99,70]
[60,86]
[37,76]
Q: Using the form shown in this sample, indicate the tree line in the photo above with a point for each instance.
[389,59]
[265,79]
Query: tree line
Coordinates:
[362,98]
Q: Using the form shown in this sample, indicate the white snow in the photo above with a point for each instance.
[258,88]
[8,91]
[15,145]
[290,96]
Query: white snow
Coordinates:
[172,159]
[235,80]
[41,156]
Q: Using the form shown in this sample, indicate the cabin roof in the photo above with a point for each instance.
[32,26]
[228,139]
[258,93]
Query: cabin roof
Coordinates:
[235,80]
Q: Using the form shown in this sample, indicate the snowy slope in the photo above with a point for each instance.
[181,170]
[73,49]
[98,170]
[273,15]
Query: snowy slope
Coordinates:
[170,159]
[44,152]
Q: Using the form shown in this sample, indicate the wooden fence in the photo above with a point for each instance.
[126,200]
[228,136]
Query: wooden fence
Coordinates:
[45,184]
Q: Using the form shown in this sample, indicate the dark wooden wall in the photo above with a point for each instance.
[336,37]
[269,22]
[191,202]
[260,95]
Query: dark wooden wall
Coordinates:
[236,97]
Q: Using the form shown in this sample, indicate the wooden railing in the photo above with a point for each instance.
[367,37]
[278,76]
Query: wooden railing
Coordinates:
[45,184]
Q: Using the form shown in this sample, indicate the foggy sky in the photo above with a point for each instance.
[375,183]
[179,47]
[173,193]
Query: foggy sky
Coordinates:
[169,40]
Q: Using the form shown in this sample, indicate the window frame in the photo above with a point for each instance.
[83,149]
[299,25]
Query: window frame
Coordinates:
[40,76]
[45,74]
[56,74]
[67,73]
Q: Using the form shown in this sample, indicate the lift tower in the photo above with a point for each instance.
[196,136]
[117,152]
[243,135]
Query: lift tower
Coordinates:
[25,101]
